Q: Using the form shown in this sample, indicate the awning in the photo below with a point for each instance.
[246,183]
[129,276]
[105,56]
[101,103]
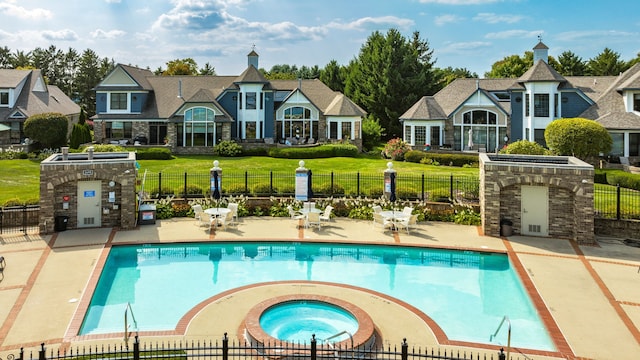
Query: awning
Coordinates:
[4,127]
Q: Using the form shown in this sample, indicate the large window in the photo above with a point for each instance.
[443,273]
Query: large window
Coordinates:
[421,136]
[118,101]
[119,130]
[634,144]
[251,101]
[297,124]
[541,105]
[480,117]
[199,128]
[157,133]
[4,98]
[636,102]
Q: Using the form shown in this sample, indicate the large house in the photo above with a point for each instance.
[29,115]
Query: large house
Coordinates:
[24,93]
[485,114]
[193,113]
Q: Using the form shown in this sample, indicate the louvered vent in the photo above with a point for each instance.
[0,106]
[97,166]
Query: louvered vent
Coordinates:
[89,221]
[534,228]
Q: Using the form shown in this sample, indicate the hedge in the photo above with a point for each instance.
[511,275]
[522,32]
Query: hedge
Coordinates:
[459,160]
[159,153]
[316,152]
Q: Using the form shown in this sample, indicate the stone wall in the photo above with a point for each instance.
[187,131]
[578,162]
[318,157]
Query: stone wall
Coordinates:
[59,178]
[570,185]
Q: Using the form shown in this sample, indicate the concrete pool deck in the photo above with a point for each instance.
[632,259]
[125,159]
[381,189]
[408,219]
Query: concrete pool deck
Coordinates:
[589,296]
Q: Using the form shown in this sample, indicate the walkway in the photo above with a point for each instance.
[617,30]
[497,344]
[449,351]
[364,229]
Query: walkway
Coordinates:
[588,295]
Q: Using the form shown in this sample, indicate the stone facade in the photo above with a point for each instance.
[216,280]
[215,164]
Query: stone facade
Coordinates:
[570,193]
[60,175]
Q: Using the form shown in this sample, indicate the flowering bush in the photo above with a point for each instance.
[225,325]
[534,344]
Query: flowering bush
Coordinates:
[395,149]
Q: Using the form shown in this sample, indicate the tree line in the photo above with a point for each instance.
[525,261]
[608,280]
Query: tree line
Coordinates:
[388,75]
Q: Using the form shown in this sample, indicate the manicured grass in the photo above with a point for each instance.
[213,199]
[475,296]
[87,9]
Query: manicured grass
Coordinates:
[21,178]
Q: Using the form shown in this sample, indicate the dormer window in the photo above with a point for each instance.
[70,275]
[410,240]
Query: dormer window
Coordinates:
[502,96]
[636,102]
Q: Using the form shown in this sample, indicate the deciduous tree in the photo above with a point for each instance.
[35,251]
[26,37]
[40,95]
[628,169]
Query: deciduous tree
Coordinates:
[579,137]
[47,129]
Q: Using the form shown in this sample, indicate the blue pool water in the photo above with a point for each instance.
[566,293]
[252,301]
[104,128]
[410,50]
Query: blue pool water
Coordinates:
[467,293]
[297,321]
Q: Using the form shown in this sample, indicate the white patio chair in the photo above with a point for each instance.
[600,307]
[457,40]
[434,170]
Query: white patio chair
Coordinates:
[407,210]
[408,223]
[313,219]
[224,221]
[385,223]
[377,209]
[234,211]
[198,215]
[326,214]
[295,215]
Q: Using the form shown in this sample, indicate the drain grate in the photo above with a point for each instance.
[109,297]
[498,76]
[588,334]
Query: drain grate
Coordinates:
[632,242]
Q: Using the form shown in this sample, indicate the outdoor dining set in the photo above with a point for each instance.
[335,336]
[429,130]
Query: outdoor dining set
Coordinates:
[216,217]
[394,219]
[310,214]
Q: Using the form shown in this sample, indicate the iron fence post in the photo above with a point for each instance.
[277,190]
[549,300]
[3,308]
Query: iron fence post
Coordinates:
[422,184]
[270,183]
[313,347]
[405,349]
[451,186]
[41,353]
[246,183]
[185,185]
[225,347]
[160,185]
[24,219]
[1,219]
[502,355]
[618,201]
[21,356]
[136,348]
[331,191]
[358,184]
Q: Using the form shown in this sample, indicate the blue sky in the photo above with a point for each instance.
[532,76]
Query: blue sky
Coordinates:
[462,33]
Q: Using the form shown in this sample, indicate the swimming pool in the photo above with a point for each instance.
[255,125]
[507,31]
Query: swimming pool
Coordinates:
[467,293]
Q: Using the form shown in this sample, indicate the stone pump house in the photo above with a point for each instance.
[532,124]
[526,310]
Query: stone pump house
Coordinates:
[191,114]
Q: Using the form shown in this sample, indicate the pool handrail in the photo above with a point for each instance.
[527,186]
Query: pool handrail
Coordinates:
[126,325]
[505,318]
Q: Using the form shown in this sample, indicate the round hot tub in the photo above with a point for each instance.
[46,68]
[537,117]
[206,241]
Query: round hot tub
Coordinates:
[296,318]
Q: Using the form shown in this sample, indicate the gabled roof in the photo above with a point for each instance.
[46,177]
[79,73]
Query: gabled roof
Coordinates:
[631,79]
[315,90]
[138,75]
[30,102]
[453,95]
[426,108]
[10,79]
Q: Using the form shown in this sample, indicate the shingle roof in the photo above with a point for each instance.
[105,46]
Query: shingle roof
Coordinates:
[425,108]
[251,75]
[10,78]
[541,71]
[315,90]
[458,91]
[37,102]
[139,75]
[343,106]
[632,81]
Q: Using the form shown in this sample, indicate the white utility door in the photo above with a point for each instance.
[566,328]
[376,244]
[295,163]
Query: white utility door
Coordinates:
[535,210]
[89,204]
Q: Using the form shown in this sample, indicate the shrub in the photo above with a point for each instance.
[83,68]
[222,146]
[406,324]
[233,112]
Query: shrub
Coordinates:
[524,147]
[234,189]
[106,148]
[624,179]
[80,134]
[407,193]
[159,153]
[579,137]
[48,129]
[315,152]
[191,190]
[263,190]
[395,149]
[13,202]
[326,189]
[227,148]
[181,210]
[371,132]
[414,156]
[256,151]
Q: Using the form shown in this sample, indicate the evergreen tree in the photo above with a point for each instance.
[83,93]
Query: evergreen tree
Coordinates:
[571,64]
[390,74]
[333,76]
[447,75]
[606,63]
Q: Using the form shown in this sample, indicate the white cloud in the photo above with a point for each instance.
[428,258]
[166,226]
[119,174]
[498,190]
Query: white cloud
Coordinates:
[509,34]
[593,34]
[60,35]
[111,34]
[11,9]
[366,23]
[492,18]
[446,19]
[192,14]
[461,47]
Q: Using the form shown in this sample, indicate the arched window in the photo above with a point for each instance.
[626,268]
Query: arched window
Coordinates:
[480,130]
[199,128]
[297,124]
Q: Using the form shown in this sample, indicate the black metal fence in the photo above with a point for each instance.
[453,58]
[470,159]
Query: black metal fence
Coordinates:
[19,219]
[615,202]
[225,351]
[324,184]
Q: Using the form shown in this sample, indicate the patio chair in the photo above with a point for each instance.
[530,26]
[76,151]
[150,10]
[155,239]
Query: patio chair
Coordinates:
[224,222]
[326,215]
[295,215]
[198,214]
[407,210]
[313,219]
[408,223]
[377,209]
[234,211]
[309,205]
[384,222]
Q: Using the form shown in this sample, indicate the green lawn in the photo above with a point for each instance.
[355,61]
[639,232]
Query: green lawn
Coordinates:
[20,179]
